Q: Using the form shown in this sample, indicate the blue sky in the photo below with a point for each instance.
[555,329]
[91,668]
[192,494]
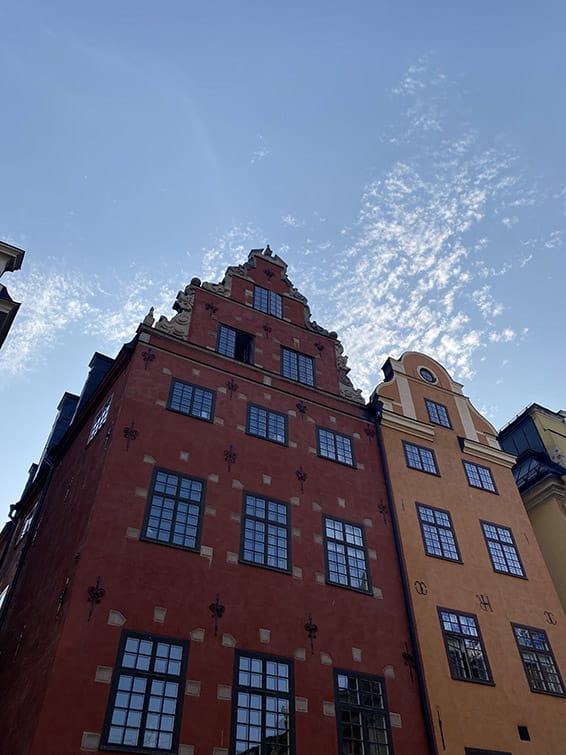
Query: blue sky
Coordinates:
[405,158]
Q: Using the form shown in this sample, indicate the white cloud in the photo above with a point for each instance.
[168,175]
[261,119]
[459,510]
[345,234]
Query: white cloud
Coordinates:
[292,221]
[230,248]
[261,151]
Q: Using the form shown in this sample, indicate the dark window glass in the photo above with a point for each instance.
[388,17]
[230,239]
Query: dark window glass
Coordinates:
[538,660]
[361,712]
[174,510]
[190,399]
[346,554]
[267,424]
[268,302]
[335,446]
[502,549]
[466,654]
[146,699]
[100,419]
[265,533]
[438,533]
[420,458]
[438,413]
[297,366]
[235,344]
[479,477]
[263,707]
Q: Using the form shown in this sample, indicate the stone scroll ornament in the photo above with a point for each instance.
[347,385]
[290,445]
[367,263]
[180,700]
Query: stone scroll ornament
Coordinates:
[178,325]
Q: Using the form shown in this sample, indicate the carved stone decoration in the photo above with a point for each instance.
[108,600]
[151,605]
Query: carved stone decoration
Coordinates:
[178,325]
[347,390]
[149,319]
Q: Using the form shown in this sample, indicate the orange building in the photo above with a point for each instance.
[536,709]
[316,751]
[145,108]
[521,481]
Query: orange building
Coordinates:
[489,625]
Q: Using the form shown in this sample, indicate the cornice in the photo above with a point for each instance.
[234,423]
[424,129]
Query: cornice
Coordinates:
[407,425]
[547,489]
[487,453]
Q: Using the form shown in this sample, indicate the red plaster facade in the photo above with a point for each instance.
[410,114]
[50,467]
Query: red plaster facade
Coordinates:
[59,667]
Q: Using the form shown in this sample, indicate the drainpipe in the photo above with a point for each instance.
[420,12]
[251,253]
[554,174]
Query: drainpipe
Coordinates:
[376,406]
[29,540]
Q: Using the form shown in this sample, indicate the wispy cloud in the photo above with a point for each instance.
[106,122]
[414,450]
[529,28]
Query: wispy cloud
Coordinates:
[415,270]
[229,248]
[261,151]
[292,221]
[57,305]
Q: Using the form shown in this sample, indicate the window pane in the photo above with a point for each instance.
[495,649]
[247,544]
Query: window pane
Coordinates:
[346,555]
[143,709]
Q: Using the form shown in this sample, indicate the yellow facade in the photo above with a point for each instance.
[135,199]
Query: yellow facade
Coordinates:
[538,435]
[460,585]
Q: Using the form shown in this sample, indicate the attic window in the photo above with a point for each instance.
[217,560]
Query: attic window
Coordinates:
[235,344]
[100,419]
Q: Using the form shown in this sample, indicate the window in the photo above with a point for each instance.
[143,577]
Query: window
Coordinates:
[502,549]
[265,533]
[437,413]
[263,708]
[479,477]
[3,596]
[346,554]
[267,424]
[335,446]
[361,714]
[190,399]
[438,533]
[146,698]
[268,302]
[235,344]
[420,458]
[297,366]
[466,654]
[538,660]
[26,525]
[174,512]
[100,419]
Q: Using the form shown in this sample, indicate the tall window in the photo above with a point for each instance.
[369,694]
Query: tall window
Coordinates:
[438,534]
[146,698]
[466,654]
[335,446]
[267,424]
[538,660]
[100,419]
[361,713]
[190,399]
[502,549]
[297,366]
[263,712]
[420,458]
[438,413]
[235,344]
[346,554]
[265,533]
[268,302]
[174,510]
[479,477]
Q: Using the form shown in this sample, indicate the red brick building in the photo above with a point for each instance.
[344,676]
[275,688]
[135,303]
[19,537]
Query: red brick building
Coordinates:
[204,562]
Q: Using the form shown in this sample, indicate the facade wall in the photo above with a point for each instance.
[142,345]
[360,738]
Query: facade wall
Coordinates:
[469,712]
[157,589]
[538,437]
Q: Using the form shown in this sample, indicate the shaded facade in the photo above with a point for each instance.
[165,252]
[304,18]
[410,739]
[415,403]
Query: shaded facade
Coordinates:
[11,259]
[489,624]
[537,437]
[204,561]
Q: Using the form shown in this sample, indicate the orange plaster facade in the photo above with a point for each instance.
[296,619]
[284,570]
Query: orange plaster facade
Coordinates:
[496,713]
